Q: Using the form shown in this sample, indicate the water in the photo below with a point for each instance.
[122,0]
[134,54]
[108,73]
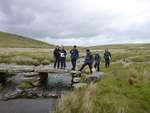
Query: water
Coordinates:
[55,81]
[28,106]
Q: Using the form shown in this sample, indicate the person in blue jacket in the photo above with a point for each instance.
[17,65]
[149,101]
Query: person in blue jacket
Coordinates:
[97,61]
[89,59]
[74,56]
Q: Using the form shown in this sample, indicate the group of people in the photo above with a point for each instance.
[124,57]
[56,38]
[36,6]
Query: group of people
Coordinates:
[60,58]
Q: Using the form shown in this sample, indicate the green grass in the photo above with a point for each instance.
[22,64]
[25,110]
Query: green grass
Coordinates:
[113,94]
[16,41]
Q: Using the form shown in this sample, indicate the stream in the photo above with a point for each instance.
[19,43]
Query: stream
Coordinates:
[14,99]
[56,83]
[28,106]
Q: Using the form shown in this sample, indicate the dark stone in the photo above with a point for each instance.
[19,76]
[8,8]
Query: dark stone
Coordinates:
[43,78]
[3,78]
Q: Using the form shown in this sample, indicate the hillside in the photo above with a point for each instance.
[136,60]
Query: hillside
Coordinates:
[122,46]
[15,41]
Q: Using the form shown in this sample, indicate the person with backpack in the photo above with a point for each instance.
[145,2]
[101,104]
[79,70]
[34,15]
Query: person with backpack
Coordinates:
[74,56]
[63,54]
[88,61]
[107,57]
[97,61]
[56,57]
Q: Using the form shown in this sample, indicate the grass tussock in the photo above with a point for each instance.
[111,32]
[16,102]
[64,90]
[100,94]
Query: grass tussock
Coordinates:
[113,94]
[79,101]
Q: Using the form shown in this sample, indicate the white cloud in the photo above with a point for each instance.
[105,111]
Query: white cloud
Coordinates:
[81,22]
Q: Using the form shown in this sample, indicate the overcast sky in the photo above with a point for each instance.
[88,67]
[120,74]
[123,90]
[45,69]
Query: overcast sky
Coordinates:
[81,22]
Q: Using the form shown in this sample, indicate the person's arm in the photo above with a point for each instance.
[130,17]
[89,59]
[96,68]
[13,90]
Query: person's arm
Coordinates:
[109,54]
[65,52]
[77,54]
[92,59]
[54,53]
[104,55]
[100,58]
[71,51]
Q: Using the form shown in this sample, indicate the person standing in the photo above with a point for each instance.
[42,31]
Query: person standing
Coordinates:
[107,57]
[56,57]
[63,54]
[88,61]
[97,61]
[74,56]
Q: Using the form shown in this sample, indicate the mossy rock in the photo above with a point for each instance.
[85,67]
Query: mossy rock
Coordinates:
[25,85]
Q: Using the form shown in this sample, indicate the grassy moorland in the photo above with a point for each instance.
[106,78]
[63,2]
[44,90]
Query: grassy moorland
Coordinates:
[125,87]
[115,93]
[8,40]
[25,51]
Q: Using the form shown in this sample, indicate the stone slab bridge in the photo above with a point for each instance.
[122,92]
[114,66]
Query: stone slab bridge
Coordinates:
[29,70]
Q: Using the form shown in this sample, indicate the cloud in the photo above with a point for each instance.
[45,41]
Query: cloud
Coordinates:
[81,22]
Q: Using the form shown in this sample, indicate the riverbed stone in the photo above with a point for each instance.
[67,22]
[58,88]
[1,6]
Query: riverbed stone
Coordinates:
[94,77]
[30,74]
[79,85]
[76,79]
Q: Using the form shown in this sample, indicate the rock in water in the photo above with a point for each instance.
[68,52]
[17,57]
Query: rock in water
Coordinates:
[79,85]
[76,73]
[19,78]
[76,79]
[31,74]
[94,77]
[59,80]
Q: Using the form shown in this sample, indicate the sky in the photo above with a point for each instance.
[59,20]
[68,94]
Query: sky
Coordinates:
[78,22]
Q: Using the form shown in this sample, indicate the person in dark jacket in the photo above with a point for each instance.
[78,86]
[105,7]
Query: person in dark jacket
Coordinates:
[63,54]
[88,61]
[74,56]
[107,57]
[56,55]
[97,61]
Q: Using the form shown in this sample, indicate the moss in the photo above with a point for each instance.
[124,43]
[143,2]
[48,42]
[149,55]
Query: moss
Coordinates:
[25,85]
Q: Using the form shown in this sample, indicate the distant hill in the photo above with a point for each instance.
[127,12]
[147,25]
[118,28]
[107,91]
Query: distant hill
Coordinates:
[122,46]
[16,41]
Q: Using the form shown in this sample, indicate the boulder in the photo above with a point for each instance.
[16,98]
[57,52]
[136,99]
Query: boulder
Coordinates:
[94,77]
[76,79]
[79,85]
[59,80]
[76,73]
[31,74]
[20,78]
